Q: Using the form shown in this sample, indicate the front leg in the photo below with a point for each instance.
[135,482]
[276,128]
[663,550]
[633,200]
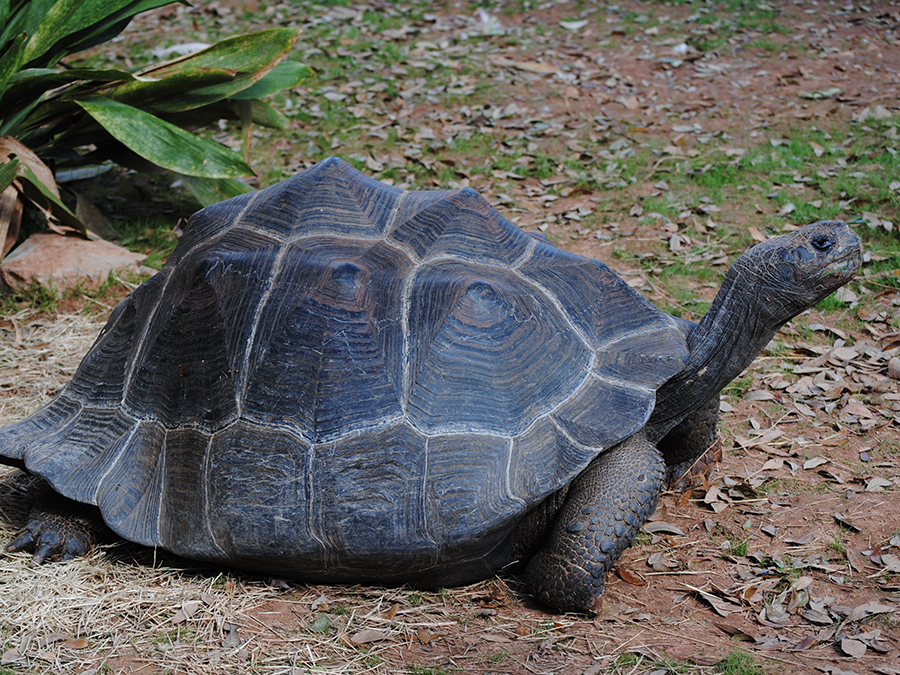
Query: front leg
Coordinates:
[693,448]
[605,508]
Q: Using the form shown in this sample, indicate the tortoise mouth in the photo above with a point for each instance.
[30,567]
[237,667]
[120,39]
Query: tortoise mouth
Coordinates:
[845,267]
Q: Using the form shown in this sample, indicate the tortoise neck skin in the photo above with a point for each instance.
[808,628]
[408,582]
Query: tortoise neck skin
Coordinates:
[765,288]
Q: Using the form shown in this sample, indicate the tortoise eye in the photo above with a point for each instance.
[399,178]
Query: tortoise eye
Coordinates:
[822,243]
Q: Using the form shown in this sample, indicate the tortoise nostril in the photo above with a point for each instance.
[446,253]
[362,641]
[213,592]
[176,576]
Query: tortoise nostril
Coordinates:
[822,243]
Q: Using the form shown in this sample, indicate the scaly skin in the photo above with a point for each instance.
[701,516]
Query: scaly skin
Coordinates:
[692,448]
[605,507]
[60,527]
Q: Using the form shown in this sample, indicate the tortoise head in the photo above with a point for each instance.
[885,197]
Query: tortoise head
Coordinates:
[791,273]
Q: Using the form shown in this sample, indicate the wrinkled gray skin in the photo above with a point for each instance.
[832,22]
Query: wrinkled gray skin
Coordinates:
[575,536]
[609,502]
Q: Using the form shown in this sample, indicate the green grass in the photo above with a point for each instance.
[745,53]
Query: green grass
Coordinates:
[740,549]
[739,662]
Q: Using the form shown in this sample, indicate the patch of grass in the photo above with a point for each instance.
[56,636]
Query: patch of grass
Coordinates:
[738,387]
[500,656]
[152,237]
[631,663]
[739,662]
[424,670]
[741,549]
[830,304]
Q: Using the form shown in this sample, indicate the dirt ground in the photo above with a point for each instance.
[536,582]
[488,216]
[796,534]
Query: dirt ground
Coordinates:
[791,554]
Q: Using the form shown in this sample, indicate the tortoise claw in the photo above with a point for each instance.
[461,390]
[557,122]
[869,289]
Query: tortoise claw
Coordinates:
[41,553]
[25,539]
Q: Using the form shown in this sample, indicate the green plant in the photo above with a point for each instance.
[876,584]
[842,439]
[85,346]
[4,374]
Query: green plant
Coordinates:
[741,549]
[739,662]
[53,114]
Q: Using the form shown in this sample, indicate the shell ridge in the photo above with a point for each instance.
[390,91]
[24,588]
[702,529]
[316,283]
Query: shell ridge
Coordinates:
[394,213]
[406,354]
[526,254]
[140,342]
[553,300]
[313,509]
[429,517]
[115,460]
[244,376]
[207,482]
[164,484]
[507,474]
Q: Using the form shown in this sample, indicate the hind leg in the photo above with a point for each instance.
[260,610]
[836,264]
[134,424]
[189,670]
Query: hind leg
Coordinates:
[692,448]
[60,527]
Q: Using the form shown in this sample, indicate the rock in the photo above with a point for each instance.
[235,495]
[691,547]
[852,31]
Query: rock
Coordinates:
[61,263]
[894,368]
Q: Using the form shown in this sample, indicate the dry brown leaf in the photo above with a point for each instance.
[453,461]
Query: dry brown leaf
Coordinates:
[630,577]
[663,528]
[188,609]
[10,656]
[868,609]
[734,631]
[756,234]
[527,66]
[891,562]
[367,635]
[853,648]
[805,643]
[494,637]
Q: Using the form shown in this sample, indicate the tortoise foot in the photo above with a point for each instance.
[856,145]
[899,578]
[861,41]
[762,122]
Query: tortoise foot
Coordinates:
[566,587]
[605,507]
[62,528]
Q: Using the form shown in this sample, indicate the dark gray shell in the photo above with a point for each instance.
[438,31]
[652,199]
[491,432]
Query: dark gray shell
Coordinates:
[336,379]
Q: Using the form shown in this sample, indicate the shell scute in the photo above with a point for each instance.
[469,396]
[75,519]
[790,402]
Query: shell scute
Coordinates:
[328,352]
[330,198]
[469,492]
[460,223]
[257,498]
[370,499]
[130,489]
[486,353]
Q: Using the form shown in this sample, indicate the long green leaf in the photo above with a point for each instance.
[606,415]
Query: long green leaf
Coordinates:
[163,143]
[12,59]
[27,85]
[52,28]
[261,113]
[88,27]
[8,173]
[68,26]
[266,115]
[184,90]
[286,75]
[255,53]
[37,192]
[184,83]
[25,18]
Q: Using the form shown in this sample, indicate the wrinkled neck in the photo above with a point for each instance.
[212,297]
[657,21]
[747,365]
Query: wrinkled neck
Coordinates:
[736,328]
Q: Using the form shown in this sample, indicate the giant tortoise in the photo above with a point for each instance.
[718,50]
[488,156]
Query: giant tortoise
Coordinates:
[342,381]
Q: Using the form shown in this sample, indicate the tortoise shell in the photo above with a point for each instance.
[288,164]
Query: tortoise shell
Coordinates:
[337,379]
